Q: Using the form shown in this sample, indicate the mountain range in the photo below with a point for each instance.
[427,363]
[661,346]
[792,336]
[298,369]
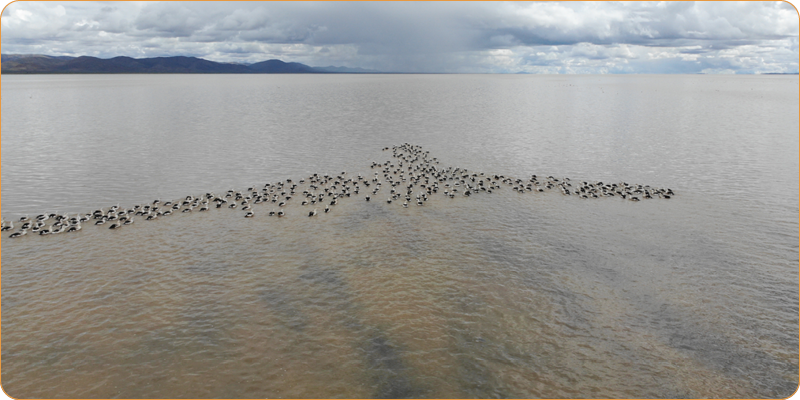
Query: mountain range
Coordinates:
[43,64]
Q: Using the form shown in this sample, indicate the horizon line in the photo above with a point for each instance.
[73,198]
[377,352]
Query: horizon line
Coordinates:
[365,70]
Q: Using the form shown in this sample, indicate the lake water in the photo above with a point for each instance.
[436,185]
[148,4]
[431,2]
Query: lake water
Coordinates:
[502,294]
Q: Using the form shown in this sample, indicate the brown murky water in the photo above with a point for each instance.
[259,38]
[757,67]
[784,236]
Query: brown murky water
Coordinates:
[494,295]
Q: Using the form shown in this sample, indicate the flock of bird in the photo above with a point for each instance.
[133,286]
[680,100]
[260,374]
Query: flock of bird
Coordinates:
[412,178]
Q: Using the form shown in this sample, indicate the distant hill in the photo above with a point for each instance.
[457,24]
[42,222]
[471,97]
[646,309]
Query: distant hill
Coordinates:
[31,63]
[280,67]
[42,64]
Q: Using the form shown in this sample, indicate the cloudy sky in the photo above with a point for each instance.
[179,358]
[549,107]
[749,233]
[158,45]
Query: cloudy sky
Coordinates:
[474,37]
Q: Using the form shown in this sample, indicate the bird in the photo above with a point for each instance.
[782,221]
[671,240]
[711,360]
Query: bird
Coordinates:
[411,173]
[8,227]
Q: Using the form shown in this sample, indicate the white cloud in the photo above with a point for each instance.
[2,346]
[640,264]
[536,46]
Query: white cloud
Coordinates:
[423,37]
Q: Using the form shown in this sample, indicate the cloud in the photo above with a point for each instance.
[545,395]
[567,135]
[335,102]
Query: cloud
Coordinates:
[423,36]
[169,19]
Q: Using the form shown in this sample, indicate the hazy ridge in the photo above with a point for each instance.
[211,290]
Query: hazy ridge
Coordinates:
[44,64]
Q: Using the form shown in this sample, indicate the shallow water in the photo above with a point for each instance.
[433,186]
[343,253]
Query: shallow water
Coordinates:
[494,295]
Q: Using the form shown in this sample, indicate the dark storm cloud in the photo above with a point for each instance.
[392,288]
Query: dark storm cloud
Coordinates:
[420,36]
